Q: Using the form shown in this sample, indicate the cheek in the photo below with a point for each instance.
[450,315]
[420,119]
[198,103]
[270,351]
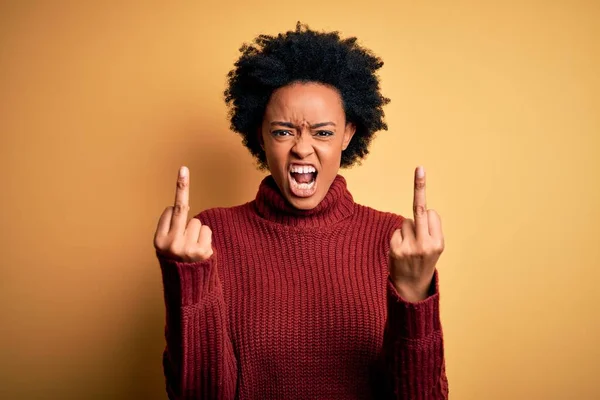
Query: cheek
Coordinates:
[275,154]
[330,153]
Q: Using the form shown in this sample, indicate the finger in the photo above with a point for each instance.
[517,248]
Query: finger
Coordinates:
[192,232]
[164,223]
[205,241]
[435,224]
[408,230]
[205,237]
[420,204]
[396,239]
[162,228]
[180,210]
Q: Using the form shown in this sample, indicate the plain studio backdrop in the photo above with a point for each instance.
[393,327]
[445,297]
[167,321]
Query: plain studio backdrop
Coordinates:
[101,103]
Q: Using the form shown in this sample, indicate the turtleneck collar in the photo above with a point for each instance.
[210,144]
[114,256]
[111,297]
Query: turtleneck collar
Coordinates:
[335,206]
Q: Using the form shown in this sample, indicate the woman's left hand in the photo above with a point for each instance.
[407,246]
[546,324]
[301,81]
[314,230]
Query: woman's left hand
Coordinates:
[415,250]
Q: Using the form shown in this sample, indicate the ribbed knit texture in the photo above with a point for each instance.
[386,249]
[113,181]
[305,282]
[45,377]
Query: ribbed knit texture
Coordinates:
[298,305]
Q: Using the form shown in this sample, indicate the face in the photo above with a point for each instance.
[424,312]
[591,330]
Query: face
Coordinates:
[304,132]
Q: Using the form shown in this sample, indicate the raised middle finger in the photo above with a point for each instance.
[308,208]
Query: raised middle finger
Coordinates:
[182,197]
[420,204]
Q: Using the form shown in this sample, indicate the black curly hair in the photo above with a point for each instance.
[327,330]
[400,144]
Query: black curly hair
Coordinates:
[305,55]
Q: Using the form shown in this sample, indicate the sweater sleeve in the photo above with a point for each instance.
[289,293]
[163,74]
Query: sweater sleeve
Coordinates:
[198,360]
[413,348]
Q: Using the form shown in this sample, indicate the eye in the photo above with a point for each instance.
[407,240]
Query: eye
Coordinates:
[324,133]
[281,133]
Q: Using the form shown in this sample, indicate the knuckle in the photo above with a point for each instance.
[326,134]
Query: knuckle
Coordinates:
[197,253]
[419,209]
[429,251]
[181,183]
[408,248]
[189,253]
[420,184]
[397,253]
[433,249]
[174,248]
[158,243]
[180,208]
[205,253]
[420,252]
[440,246]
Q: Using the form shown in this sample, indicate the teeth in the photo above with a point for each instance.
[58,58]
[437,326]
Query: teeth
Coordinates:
[304,186]
[302,169]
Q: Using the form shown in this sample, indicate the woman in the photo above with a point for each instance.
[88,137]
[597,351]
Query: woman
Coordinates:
[302,293]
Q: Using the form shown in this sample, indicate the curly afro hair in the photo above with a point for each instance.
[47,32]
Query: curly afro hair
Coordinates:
[305,55]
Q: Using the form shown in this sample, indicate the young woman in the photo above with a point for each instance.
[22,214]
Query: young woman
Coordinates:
[302,293]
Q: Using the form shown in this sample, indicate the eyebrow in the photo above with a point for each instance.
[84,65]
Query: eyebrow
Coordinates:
[290,125]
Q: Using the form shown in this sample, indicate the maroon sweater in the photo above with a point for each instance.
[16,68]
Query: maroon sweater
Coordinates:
[298,305]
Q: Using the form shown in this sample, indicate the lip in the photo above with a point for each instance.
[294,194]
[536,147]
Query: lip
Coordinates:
[302,193]
[303,164]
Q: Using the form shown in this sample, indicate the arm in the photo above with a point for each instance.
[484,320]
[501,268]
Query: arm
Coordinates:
[198,360]
[413,348]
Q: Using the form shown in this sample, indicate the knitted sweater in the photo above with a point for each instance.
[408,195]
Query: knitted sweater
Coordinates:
[298,305]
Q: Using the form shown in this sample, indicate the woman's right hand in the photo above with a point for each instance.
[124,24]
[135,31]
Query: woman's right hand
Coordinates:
[173,239]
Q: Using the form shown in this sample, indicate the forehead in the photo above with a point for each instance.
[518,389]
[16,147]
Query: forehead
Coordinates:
[305,101]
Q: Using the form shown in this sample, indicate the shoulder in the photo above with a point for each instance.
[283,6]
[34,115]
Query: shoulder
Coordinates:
[369,216]
[224,215]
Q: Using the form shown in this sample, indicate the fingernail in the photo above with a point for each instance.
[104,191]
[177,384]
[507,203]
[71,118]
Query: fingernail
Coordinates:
[420,172]
[183,172]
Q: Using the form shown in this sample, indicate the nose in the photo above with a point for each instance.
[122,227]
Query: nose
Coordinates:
[302,147]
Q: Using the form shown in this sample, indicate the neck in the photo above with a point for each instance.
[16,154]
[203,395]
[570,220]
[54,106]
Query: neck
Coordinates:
[337,205]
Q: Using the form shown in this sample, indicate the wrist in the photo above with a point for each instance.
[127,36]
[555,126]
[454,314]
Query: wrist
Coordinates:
[410,295]
[412,292]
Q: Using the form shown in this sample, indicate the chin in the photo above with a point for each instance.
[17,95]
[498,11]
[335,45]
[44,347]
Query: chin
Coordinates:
[304,203]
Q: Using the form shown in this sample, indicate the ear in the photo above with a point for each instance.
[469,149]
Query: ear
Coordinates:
[349,132]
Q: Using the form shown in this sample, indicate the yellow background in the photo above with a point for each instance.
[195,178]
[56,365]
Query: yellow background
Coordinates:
[100,104]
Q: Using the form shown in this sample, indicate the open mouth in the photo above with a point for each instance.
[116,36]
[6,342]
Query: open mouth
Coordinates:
[303,180]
